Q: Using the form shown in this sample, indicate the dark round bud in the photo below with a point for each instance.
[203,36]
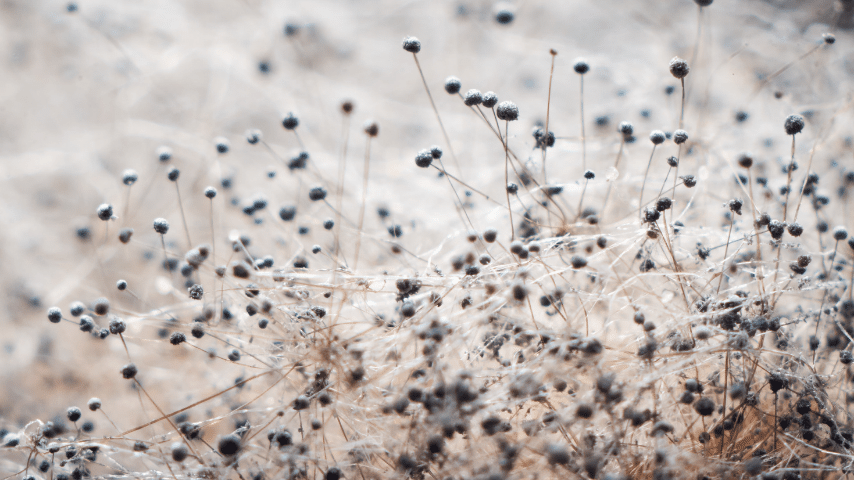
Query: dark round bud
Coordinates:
[172,174]
[745,160]
[473,97]
[122,285]
[589,175]
[657,137]
[581,66]
[795,229]
[577,261]
[412,44]
[287,213]
[436,152]
[845,357]
[490,99]
[290,121]
[679,68]
[735,205]
[179,452]
[680,136]
[210,192]
[94,404]
[452,85]
[703,3]
[507,111]
[372,128]
[129,177]
[105,211]
[334,473]
[542,140]
[177,338]
[317,193]
[125,234]
[164,154]
[54,314]
[161,226]
[627,129]
[117,326]
[672,161]
[794,124]
[504,16]
[229,445]
[347,107]
[423,159]
[776,229]
[663,203]
[851,242]
[196,292]
[705,406]
[73,414]
[840,233]
[101,307]
[129,371]
[828,38]
[490,235]
[328,224]
[222,146]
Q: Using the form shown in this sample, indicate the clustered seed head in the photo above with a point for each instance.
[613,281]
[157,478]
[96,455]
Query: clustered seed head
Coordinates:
[735,205]
[129,177]
[680,136]
[105,211]
[196,292]
[290,121]
[473,97]
[453,85]
[794,124]
[840,233]
[161,226]
[507,111]
[679,68]
[411,44]
[589,175]
[490,99]
[423,158]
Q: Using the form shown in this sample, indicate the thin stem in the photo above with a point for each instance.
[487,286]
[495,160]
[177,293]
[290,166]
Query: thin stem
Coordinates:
[682,112]
[643,185]
[726,250]
[183,217]
[436,111]
[583,136]
[548,111]
[507,181]
[364,199]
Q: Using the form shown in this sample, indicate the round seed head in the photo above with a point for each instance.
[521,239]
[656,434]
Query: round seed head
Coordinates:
[679,68]
[412,44]
[703,3]
[851,242]
[196,292]
[490,99]
[179,452]
[512,188]
[589,175]
[663,203]
[657,137]
[828,38]
[578,261]
[504,15]
[436,152]
[164,154]
[735,205]
[542,140]
[290,121]
[581,66]
[94,404]
[452,85]
[317,193]
[347,107]
[172,174]
[129,371]
[795,229]
[372,128]
[161,226]
[229,445]
[105,211]
[507,111]
[253,136]
[794,124]
[745,160]
[210,192]
[73,414]
[424,158]
[680,136]
[689,181]
[129,177]
[117,326]
[54,314]
[673,161]
[491,234]
[221,144]
[840,233]
[473,97]
[627,129]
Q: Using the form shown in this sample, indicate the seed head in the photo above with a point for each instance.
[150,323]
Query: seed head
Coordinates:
[105,211]
[504,15]
[627,129]
[129,177]
[507,111]
[672,161]
[679,68]
[745,160]
[453,85]
[794,124]
[581,66]
[54,314]
[657,137]
[129,371]
[317,193]
[221,144]
[229,445]
[703,3]
[473,97]
[589,175]
[196,292]
[680,136]
[253,136]
[290,121]
[372,128]
[424,158]
[172,174]
[490,99]
[164,154]
[795,229]
[411,44]
[735,205]
[161,226]
[210,192]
